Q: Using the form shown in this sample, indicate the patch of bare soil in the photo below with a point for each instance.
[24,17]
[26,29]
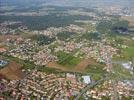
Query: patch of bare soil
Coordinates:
[57,66]
[12,71]
[130,19]
[78,68]
[83,64]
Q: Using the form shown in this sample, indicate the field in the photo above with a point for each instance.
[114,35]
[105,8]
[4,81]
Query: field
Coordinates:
[67,59]
[129,52]
[83,64]
[130,19]
[81,67]
[12,71]
[58,66]
[121,73]
[78,68]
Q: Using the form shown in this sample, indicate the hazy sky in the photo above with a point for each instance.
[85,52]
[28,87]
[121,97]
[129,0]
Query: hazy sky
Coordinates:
[88,2]
[83,3]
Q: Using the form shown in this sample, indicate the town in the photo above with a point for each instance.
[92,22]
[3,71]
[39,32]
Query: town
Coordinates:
[67,53]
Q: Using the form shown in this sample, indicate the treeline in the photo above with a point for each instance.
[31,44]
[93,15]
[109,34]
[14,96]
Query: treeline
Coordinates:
[65,35]
[43,22]
[42,39]
[112,27]
[92,36]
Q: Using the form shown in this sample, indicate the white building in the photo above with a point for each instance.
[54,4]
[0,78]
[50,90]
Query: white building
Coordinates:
[86,79]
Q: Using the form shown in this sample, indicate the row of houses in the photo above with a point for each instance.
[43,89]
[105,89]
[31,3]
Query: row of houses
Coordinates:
[47,86]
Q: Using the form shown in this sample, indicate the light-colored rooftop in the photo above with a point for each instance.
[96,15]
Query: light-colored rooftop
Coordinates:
[86,79]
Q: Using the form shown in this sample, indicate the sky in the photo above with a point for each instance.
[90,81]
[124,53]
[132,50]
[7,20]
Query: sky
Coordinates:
[76,3]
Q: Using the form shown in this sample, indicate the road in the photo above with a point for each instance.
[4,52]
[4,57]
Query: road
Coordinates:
[91,86]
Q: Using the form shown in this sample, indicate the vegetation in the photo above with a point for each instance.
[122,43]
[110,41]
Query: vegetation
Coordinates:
[127,98]
[67,59]
[97,71]
[43,22]
[106,27]
[125,54]
[30,65]
[25,64]
[64,35]
[129,52]
[121,73]
[42,39]
[46,69]
[91,35]
[53,46]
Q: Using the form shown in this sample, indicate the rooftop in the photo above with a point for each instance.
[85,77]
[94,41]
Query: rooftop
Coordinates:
[3,63]
[86,79]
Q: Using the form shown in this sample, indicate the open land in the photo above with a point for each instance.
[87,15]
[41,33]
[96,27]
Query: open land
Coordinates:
[130,19]
[12,71]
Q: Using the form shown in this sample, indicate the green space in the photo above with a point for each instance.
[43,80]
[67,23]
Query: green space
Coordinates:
[25,64]
[96,71]
[67,59]
[121,73]
[43,22]
[129,52]
[92,35]
[88,27]
[125,54]
[106,27]
[65,35]
[42,39]
[30,65]
[47,69]
[52,47]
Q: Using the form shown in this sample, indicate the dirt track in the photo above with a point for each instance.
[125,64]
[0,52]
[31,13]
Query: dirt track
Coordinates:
[58,66]
[83,64]
[78,68]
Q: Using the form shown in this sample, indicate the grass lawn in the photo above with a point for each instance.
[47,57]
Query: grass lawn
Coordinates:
[67,59]
[96,71]
[47,69]
[121,73]
[129,52]
[126,54]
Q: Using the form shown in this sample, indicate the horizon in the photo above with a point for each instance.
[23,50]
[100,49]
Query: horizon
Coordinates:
[74,3]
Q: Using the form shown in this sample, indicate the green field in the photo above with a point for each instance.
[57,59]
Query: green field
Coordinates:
[121,73]
[96,71]
[67,59]
[125,54]
[129,52]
